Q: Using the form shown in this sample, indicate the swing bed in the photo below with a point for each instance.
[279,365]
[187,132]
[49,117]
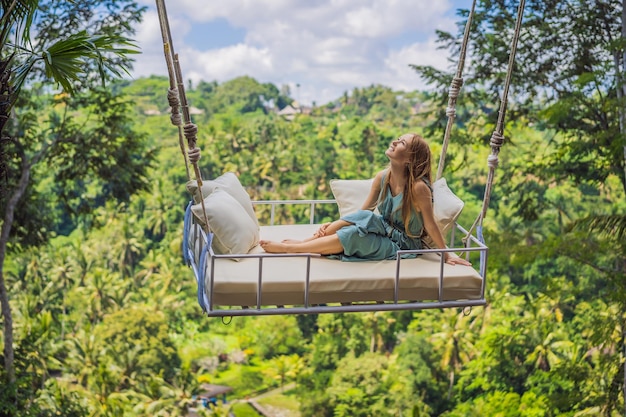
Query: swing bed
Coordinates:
[250,282]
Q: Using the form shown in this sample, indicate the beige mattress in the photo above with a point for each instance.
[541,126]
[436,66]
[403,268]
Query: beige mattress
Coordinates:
[334,281]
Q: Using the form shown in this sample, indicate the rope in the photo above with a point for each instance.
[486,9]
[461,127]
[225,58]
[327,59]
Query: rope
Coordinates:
[172,92]
[178,100]
[497,137]
[453,94]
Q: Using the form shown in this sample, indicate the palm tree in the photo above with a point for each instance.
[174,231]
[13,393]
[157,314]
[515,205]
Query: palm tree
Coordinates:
[455,343]
[105,291]
[62,60]
[129,248]
[165,398]
[84,351]
[157,209]
[613,227]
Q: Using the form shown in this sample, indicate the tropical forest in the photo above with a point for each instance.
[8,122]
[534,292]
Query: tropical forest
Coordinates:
[99,311]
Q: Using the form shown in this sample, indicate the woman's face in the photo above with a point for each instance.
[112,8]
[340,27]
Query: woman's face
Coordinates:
[399,149]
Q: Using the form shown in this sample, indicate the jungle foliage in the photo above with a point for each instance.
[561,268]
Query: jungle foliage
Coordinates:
[106,322]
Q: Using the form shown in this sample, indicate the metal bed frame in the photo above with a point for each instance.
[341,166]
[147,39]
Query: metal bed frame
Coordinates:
[198,263]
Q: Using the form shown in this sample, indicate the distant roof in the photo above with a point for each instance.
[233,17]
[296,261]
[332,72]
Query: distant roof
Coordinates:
[210,390]
[195,110]
[288,110]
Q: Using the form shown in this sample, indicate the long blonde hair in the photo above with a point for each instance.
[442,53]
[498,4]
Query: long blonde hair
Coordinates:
[418,168]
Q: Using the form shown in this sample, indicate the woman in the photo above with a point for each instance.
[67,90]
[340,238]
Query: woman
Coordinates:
[403,196]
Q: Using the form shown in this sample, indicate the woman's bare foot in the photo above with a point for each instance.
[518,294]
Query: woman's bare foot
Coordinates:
[273,247]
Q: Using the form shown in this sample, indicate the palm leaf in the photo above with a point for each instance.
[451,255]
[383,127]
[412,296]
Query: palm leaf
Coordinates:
[17,17]
[66,59]
[613,225]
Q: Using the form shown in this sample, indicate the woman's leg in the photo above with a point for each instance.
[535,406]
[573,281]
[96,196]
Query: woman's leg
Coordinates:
[325,245]
[334,226]
[326,229]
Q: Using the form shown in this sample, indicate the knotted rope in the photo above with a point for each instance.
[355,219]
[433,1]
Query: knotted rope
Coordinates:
[453,94]
[497,137]
[172,93]
[177,100]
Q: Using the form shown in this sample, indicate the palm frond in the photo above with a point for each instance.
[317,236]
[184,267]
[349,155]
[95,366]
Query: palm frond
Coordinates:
[613,225]
[65,60]
[17,17]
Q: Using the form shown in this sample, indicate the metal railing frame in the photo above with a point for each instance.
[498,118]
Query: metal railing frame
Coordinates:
[202,258]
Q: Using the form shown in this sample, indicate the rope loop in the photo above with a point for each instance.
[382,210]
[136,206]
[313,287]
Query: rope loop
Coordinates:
[174,101]
[454,91]
[497,140]
[455,87]
[191,131]
[453,94]
[173,98]
[493,161]
[176,119]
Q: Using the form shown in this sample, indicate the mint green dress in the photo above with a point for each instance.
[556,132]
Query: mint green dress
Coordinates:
[374,237]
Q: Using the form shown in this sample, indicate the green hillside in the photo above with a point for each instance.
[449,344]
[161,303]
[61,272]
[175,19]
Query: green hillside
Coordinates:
[107,322]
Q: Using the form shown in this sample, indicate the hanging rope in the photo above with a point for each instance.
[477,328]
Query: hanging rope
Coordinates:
[178,100]
[172,92]
[497,137]
[455,89]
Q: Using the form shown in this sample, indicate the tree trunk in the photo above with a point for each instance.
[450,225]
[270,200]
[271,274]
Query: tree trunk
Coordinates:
[8,328]
[620,93]
[621,87]
[9,353]
[622,322]
[451,385]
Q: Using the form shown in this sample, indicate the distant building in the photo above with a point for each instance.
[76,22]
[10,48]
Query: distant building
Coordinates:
[289,112]
[195,110]
[416,108]
[209,394]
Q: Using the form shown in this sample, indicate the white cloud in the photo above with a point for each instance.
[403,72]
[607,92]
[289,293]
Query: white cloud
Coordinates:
[326,46]
[397,71]
[228,63]
[383,18]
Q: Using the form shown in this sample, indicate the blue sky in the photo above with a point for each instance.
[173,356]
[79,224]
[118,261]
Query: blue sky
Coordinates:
[319,48]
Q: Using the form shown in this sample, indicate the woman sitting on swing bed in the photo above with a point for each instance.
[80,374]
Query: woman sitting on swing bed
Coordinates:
[403,195]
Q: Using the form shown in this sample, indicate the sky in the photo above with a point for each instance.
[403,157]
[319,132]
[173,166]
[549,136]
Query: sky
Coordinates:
[319,48]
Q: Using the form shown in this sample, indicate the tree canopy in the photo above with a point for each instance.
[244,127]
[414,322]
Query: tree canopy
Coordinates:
[85,45]
[106,318]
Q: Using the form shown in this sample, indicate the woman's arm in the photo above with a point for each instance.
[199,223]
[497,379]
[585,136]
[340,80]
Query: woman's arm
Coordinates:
[372,197]
[424,204]
[369,204]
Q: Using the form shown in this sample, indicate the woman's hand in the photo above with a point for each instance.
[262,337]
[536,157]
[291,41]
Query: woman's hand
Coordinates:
[322,230]
[452,259]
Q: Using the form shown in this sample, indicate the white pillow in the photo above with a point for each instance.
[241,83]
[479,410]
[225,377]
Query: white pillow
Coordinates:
[446,205]
[350,194]
[229,183]
[233,229]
